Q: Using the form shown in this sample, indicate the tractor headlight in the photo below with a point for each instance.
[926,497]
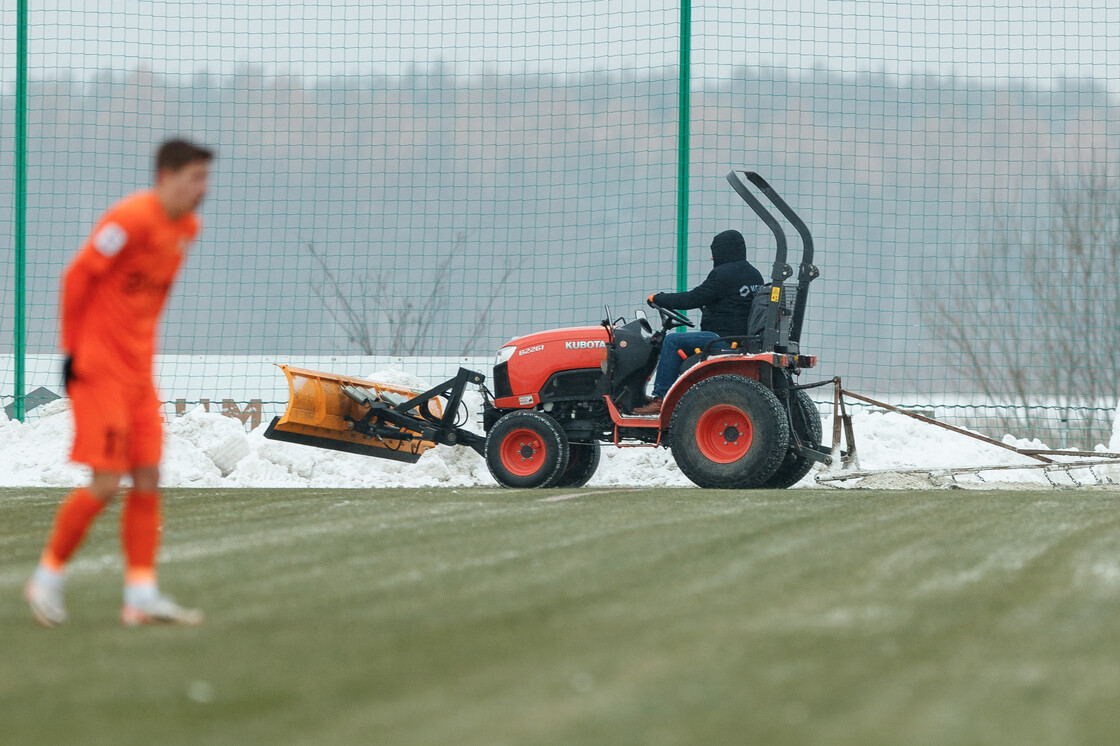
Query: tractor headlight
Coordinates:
[505,354]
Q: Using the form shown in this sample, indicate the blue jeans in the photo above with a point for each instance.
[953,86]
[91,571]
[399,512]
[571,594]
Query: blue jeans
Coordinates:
[669,363]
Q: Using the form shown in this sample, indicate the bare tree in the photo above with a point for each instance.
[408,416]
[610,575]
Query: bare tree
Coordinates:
[379,320]
[1033,322]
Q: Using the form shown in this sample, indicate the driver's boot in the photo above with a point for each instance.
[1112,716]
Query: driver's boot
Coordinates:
[654,407]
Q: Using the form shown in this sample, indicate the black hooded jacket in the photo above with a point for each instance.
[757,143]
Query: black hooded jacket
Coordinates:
[725,296]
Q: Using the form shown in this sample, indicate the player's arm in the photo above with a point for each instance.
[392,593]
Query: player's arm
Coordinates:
[93,262]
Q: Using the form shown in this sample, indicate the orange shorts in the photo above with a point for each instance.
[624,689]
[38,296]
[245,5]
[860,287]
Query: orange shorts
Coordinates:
[118,426]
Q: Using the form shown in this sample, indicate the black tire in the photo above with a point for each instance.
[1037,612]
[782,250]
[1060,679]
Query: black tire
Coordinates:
[526,449]
[583,460]
[742,415]
[807,425]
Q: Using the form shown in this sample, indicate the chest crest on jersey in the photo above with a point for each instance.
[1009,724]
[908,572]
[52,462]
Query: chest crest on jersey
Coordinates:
[139,283]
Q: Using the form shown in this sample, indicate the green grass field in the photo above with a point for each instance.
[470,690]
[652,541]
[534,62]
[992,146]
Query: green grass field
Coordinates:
[600,617]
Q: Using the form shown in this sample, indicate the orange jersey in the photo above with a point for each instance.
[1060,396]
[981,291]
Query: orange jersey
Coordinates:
[115,289]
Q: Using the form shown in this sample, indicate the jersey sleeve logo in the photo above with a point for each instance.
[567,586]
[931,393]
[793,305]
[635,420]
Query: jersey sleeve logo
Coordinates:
[110,240]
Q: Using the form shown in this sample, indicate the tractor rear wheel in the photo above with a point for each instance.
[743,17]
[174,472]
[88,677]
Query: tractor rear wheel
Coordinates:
[526,449]
[729,432]
[583,460]
[807,425]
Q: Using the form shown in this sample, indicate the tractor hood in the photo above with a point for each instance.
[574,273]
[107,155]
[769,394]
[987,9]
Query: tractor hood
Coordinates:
[568,339]
[525,364]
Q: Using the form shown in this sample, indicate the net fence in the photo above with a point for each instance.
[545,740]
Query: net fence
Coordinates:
[414,184]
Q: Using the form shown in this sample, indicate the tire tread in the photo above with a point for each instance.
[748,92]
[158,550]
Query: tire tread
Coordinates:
[771,423]
[543,424]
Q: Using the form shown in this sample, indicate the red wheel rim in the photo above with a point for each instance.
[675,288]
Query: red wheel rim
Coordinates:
[724,434]
[523,452]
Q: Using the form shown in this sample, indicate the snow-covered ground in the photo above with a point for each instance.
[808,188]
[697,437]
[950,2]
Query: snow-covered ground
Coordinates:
[208,450]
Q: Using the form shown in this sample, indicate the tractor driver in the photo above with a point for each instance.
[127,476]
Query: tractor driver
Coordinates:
[725,300]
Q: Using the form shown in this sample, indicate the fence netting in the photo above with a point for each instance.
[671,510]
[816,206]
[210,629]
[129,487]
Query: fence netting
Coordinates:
[415,183]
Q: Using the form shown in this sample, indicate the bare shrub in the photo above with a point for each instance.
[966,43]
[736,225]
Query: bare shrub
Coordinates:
[1033,321]
[383,315]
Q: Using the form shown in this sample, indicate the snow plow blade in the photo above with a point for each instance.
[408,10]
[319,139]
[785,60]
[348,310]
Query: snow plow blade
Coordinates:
[323,409]
[342,413]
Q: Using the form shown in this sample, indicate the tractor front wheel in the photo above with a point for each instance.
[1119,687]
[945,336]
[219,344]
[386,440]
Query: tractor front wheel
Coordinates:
[526,449]
[729,432]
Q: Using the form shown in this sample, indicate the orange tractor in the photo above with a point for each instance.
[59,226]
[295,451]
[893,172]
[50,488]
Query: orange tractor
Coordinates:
[735,418]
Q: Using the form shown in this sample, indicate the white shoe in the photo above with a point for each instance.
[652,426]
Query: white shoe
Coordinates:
[47,604]
[159,609]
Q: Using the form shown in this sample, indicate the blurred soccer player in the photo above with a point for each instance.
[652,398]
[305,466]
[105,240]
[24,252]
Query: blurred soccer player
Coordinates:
[112,296]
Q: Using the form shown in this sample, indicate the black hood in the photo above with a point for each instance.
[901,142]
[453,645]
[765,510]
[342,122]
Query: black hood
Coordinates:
[728,247]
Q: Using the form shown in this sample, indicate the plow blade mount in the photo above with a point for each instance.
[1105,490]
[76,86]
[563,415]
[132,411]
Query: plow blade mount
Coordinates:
[339,412]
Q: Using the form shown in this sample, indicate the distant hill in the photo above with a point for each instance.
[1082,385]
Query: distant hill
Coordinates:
[564,186]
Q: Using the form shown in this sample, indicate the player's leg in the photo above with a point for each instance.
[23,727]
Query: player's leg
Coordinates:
[76,515]
[44,591]
[100,440]
[141,523]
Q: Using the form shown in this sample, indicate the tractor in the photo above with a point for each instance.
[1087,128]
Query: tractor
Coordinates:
[735,418]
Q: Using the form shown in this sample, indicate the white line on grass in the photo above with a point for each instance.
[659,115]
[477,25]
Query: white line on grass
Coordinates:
[570,495]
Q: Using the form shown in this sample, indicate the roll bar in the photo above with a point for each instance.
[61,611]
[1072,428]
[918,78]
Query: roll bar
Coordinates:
[807,271]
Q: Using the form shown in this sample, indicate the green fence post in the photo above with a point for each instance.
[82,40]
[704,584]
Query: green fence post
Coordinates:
[19,404]
[682,147]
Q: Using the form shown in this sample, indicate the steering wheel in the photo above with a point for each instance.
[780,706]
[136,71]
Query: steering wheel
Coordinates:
[671,317]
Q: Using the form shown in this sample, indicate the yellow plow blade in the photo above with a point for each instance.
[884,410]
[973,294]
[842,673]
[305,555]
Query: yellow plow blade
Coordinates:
[320,411]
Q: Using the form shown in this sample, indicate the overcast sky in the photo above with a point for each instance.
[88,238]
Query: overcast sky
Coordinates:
[1028,39]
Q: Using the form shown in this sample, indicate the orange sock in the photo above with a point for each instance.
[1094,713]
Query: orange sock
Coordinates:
[71,523]
[140,526]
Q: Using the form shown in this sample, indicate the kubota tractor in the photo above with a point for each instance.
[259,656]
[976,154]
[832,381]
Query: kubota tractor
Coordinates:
[735,418]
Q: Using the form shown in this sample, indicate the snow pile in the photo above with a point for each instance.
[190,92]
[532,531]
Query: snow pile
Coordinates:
[37,453]
[204,449]
[887,440]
